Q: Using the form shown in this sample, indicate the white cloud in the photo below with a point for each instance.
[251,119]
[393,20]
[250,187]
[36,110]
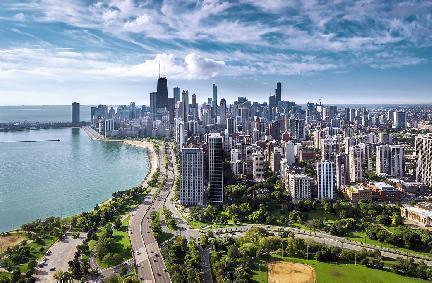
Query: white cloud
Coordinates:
[66,64]
[19,17]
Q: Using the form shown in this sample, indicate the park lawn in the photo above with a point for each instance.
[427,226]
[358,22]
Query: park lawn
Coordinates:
[335,273]
[320,213]
[360,236]
[38,250]
[122,245]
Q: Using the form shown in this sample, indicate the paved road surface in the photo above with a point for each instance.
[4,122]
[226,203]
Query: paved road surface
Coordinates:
[148,258]
[61,253]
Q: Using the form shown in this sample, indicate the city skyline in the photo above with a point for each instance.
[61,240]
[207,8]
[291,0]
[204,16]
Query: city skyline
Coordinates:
[110,51]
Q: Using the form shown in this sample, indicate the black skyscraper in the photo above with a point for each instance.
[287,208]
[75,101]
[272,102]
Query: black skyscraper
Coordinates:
[278,93]
[162,93]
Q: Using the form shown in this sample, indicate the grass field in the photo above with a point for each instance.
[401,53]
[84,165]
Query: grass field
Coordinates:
[10,240]
[122,244]
[340,273]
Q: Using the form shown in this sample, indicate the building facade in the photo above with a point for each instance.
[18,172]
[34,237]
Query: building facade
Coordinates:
[191,176]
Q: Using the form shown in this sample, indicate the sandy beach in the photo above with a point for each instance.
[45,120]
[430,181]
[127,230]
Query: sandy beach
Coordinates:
[152,157]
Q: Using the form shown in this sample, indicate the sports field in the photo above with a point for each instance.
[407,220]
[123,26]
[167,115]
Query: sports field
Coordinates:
[283,271]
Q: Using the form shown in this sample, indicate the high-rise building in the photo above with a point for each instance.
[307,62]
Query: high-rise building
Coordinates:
[185,100]
[153,98]
[231,125]
[390,160]
[423,152]
[382,162]
[214,103]
[215,151]
[275,159]
[75,114]
[399,120]
[326,180]
[176,92]
[278,93]
[299,186]
[258,160]
[162,93]
[342,170]
[191,176]
[355,164]
[290,153]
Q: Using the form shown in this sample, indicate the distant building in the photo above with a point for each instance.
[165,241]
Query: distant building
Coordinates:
[162,93]
[299,186]
[423,153]
[390,160]
[358,193]
[216,160]
[275,159]
[75,114]
[399,120]
[326,179]
[421,213]
[355,164]
[176,94]
[384,192]
[342,170]
[258,164]
[191,176]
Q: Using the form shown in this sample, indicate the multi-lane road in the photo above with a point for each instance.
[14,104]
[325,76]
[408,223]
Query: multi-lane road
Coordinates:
[147,254]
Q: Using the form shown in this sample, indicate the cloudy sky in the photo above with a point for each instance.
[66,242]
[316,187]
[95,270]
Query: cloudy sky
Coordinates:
[108,51]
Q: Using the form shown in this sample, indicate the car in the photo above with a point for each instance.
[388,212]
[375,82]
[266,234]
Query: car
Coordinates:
[52,268]
[158,274]
[157,255]
[155,260]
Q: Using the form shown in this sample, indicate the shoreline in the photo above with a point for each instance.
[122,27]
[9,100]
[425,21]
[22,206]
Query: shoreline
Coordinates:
[152,157]
[152,161]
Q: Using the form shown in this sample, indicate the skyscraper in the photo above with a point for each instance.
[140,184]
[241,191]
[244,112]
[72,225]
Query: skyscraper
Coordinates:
[75,114]
[326,179]
[176,94]
[216,160]
[185,100]
[278,93]
[191,176]
[342,170]
[153,99]
[423,153]
[389,160]
[355,164]
[214,103]
[162,93]
[399,120]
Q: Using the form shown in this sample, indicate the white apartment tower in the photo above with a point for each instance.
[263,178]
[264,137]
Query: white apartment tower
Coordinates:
[423,151]
[258,165]
[326,179]
[390,160]
[191,176]
[355,164]
[299,186]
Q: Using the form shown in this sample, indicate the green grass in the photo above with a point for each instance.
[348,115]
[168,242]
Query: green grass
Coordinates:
[38,250]
[122,244]
[334,273]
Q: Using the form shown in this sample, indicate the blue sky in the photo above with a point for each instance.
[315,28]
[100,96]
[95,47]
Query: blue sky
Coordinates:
[108,51]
